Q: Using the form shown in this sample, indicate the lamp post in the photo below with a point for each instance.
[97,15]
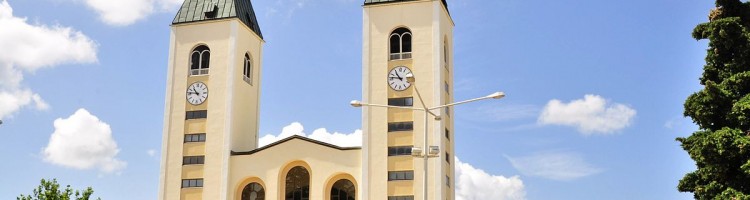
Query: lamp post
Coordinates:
[432,151]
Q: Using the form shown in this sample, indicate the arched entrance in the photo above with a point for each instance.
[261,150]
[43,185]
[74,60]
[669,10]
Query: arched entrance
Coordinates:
[343,190]
[297,184]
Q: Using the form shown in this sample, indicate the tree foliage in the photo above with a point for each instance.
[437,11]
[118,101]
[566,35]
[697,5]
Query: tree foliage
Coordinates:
[50,190]
[721,149]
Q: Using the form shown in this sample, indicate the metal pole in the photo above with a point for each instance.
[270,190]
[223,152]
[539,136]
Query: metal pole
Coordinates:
[426,152]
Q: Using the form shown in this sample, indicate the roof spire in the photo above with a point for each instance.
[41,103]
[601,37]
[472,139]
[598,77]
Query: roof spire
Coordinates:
[204,10]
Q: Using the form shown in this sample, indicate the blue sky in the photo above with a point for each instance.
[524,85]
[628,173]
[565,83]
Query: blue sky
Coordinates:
[595,89]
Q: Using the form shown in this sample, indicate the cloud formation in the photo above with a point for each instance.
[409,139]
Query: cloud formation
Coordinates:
[476,184]
[285,8]
[127,12]
[471,183]
[82,141]
[32,47]
[562,166]
[590,115]
[321,134]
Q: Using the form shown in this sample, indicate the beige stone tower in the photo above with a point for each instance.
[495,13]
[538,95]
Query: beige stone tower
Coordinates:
[417,35]
[213,92]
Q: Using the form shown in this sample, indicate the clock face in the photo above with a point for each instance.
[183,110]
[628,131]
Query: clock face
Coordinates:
[397,78]
[197,93]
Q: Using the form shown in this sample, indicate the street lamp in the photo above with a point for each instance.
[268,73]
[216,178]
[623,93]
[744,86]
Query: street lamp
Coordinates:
[426,152]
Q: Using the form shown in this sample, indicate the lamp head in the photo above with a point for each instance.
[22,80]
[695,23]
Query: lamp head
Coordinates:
[434,151]
[416,151]
[497,95]
[410,78]
[356,104]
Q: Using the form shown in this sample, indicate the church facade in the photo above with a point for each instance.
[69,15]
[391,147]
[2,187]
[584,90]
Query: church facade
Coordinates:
[210,139]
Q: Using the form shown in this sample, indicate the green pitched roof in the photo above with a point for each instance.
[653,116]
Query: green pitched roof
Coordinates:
[204,10]
[368,2]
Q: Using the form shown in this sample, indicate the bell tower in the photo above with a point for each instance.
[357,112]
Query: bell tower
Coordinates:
[401,37]
[212,98]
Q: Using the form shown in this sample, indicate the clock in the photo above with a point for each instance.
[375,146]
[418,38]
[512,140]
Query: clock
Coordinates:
[197,93]
[397,78]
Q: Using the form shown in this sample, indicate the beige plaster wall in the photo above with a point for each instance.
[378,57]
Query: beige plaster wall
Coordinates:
[270,165]
[430,25]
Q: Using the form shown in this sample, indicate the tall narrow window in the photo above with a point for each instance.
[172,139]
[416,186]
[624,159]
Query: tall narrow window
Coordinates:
[400,44]
[297,184]
[446,56]
[200,59]
[447,88]
[253,191]
[248,72]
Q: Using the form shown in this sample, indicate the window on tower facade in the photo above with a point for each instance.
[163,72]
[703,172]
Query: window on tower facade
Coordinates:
[192,183]
[248,72]
[408,101]
[400,126]
[199,60]
[446,56]
[193,160]
[400,41]
[399,151]
[400,175]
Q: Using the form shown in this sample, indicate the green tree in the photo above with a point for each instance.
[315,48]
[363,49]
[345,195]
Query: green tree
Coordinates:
[721,148]
[50,190]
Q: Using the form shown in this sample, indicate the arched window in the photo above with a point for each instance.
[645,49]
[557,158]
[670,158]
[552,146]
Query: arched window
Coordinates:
[200,59]
[297,184]
[248,72]
[343,190]
[401,44]
[253,191]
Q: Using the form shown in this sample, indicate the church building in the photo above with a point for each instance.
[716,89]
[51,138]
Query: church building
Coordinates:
[210,145]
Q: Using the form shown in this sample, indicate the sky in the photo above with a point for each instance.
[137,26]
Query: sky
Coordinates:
[594,92]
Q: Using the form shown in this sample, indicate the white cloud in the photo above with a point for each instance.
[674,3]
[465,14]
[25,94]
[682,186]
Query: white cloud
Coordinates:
[127,12]
[82,141]
[471,183]
[554,165]
[476,184]
[10,102]
[32,47]
[590,115]
[285,8]
[151,152]
[321,134]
